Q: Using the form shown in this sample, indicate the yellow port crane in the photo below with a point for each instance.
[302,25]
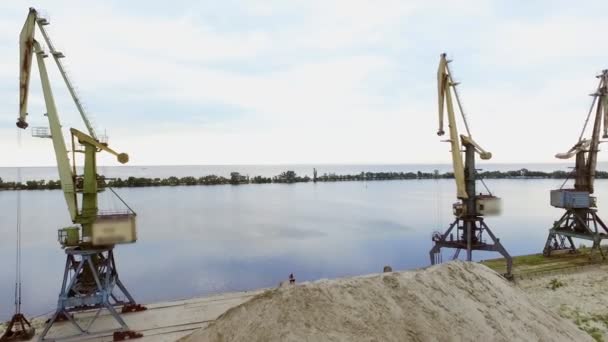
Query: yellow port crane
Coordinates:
[90,280]
[470,210]
[580,220]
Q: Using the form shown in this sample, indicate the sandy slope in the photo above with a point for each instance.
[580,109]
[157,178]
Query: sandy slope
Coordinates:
[456,301]
[581,297]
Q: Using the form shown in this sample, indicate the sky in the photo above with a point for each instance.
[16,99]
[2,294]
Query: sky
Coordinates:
[312,81]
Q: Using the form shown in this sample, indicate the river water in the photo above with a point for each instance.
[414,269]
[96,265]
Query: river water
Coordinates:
[198,240]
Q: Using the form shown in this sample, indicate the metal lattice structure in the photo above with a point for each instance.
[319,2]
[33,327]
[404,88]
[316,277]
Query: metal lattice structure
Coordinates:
[91,282]
[90,279]
[468,230]
[580,219]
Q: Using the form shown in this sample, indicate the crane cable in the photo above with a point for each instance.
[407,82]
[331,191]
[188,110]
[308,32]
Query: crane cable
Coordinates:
[580,138]
[18,242]
[438,198]
[453,85]
[439,206]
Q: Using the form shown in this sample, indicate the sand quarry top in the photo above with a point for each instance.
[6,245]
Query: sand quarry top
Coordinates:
[456,301]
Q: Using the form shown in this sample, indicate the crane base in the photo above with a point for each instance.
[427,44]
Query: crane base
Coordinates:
[91,282]
[468,241]
[582,224]
[18,329]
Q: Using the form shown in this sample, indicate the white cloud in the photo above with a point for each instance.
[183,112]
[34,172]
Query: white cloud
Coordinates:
[313,81]
[550,40]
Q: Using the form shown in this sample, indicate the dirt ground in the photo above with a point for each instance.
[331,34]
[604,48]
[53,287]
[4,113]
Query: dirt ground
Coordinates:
[580,296]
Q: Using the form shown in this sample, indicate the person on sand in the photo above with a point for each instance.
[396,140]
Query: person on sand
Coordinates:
[292,279]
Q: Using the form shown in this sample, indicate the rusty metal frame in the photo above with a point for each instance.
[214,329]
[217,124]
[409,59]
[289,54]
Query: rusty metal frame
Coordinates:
[470,225]
[18,329]
[580,224]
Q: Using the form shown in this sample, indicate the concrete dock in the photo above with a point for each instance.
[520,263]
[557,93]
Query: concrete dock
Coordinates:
[166,321]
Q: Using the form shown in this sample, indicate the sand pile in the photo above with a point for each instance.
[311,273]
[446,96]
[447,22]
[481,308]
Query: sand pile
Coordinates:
[456,301]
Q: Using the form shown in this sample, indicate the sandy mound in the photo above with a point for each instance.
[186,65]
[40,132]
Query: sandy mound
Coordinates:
[456,301]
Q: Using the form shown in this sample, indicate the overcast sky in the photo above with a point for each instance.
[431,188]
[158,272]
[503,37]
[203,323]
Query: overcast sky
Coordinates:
[270,82]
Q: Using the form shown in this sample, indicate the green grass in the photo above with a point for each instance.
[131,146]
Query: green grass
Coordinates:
[537,263]
[554,284]
[595,333]
[602,319]
[592,324]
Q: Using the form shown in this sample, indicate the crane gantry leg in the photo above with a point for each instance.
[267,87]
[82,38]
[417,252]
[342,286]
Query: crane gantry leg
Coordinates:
[580,224]
[469,240]
[470,225]
[91,282]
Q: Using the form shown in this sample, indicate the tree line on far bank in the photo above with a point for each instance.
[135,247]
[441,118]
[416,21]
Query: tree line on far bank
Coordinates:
[288,177]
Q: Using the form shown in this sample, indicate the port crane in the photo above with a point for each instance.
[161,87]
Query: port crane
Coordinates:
[90,280]
[580,220]
[469,212]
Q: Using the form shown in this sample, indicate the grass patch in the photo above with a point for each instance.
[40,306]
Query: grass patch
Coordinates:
[595,333]
[537,263]
[532,259]
[555,284]
[601,318]
[593,324]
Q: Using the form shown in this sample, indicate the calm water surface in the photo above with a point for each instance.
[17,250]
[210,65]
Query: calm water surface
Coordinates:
[199,240]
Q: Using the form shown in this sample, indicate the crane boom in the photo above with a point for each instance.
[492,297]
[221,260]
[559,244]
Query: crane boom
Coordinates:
[26,40]
[586,166]
[602,94]
[57,57]
[28,47]
[444,84]
[83,138]
[66,176]
[26,51]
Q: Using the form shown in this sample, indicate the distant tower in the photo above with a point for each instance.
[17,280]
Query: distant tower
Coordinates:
[314,175]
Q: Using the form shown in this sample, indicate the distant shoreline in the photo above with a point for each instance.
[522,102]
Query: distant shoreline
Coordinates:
[288,177]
